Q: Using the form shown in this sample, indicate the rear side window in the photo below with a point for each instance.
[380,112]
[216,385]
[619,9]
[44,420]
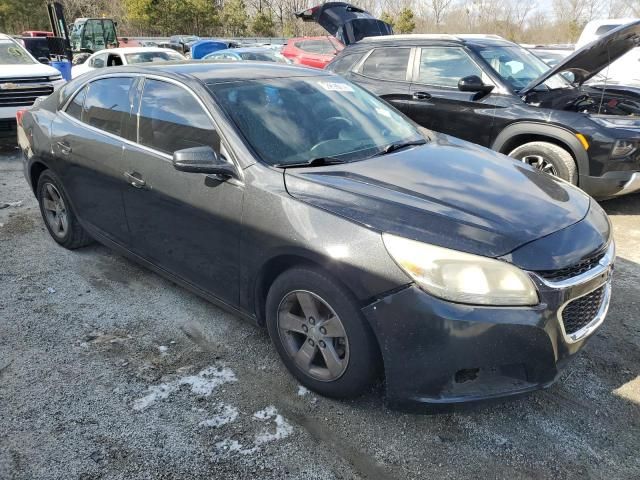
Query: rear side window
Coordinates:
[387,63]
[445,66]
[343,63]
[107,105]
[172,119]
[75,106]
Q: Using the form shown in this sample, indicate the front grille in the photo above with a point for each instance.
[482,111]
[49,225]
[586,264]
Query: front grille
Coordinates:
[580,312]
[22,92]
[7,125]
[574,270]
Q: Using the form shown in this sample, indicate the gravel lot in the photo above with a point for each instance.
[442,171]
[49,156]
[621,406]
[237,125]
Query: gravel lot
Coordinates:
[109,371]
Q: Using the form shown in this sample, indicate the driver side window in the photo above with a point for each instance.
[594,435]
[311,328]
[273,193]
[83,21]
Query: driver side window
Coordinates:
[98,61]
[171,119]
[445,66]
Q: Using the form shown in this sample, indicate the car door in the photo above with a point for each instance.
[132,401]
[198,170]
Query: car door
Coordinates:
[186,223]
[87,136]
[384,72]
[438,104]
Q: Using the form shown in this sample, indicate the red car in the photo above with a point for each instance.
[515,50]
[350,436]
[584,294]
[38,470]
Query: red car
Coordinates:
[312,51]
[37,33]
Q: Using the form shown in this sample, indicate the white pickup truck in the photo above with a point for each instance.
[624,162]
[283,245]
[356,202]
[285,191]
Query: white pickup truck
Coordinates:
[22,80]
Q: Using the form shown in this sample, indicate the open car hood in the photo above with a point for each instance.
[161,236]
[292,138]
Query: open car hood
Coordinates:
[587,61]
[347,23]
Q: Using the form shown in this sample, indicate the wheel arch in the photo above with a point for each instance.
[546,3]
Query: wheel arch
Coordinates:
[35,170]
[524,132]
[278,264]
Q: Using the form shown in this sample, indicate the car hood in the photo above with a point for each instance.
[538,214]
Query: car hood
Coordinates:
[587,61]
[26,71]
[449,193]
[347,23]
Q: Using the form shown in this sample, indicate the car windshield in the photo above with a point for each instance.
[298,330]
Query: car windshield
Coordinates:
[518,66]
[265,56]
[13,54]
[296,120]
[146,57]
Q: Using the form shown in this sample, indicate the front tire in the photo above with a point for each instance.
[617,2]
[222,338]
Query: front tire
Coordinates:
[548,158]
[62,224]
[320,334]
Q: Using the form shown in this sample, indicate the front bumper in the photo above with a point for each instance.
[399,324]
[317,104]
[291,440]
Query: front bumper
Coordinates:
[611,184]
[438,354]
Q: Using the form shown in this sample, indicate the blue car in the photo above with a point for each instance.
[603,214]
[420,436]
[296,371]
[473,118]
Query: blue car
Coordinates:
[260,54]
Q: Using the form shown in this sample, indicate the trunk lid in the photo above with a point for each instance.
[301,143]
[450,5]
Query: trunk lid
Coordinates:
[346,22]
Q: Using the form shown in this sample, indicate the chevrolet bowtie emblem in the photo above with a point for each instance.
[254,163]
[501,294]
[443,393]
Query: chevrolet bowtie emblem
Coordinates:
[9,86]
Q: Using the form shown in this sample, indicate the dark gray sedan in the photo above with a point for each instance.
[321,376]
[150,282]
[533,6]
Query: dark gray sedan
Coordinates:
[302,202]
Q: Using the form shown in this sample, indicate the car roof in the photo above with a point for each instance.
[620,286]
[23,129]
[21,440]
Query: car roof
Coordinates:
[134,50]
[4,36]
[419,39]
[217,72]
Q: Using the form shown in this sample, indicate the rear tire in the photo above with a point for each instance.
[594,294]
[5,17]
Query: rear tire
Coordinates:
[62,224]
[548,158]
[336,354]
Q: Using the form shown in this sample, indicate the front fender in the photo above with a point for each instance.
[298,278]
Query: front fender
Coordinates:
[554,132]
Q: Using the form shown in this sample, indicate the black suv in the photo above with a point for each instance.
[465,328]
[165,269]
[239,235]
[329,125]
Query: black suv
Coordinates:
[489,91]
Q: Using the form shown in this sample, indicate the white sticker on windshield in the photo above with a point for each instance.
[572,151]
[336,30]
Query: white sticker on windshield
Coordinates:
[336,87]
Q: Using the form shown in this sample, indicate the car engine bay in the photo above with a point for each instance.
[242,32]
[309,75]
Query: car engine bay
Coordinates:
[591,100]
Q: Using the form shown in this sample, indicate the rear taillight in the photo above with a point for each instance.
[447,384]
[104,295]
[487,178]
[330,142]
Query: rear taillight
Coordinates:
[19,115]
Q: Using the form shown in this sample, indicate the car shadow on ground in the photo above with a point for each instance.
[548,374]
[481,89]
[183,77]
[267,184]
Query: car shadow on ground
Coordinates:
[624,205]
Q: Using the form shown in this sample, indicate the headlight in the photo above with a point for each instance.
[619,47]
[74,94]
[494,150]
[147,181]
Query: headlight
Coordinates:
[461,277]
[610,121]
[623,148]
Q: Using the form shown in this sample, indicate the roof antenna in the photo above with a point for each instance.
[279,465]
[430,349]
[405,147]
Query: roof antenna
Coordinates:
[606,79]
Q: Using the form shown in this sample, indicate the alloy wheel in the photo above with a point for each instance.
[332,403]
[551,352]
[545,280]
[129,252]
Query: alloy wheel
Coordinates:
[55,210]
[540,163]
[313,335]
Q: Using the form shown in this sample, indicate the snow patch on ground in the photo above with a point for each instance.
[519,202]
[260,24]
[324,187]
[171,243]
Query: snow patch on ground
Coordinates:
[302,391]
[283,430]
[227,414]
[203,383]
[228,446]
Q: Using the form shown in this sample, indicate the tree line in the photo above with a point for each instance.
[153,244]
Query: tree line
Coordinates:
[517,20]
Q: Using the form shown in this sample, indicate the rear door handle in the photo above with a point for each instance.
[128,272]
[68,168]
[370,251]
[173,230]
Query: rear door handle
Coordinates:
[421,95]
[64,147]
[133,178]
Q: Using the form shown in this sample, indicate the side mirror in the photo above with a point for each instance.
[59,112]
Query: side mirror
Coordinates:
[473,83]
[203,160]
[44,60]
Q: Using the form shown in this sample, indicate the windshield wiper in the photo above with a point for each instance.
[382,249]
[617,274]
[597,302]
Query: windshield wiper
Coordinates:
[314,162]
[395,146]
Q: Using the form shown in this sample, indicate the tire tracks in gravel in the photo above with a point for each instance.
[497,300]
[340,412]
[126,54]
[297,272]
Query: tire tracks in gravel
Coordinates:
[364,464]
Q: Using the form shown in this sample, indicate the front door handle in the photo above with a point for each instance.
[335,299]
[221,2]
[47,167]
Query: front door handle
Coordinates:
[421,95]
[64,147]
[134,179]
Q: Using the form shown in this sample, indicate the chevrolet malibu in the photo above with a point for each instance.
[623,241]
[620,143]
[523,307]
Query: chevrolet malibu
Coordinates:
[369,248]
